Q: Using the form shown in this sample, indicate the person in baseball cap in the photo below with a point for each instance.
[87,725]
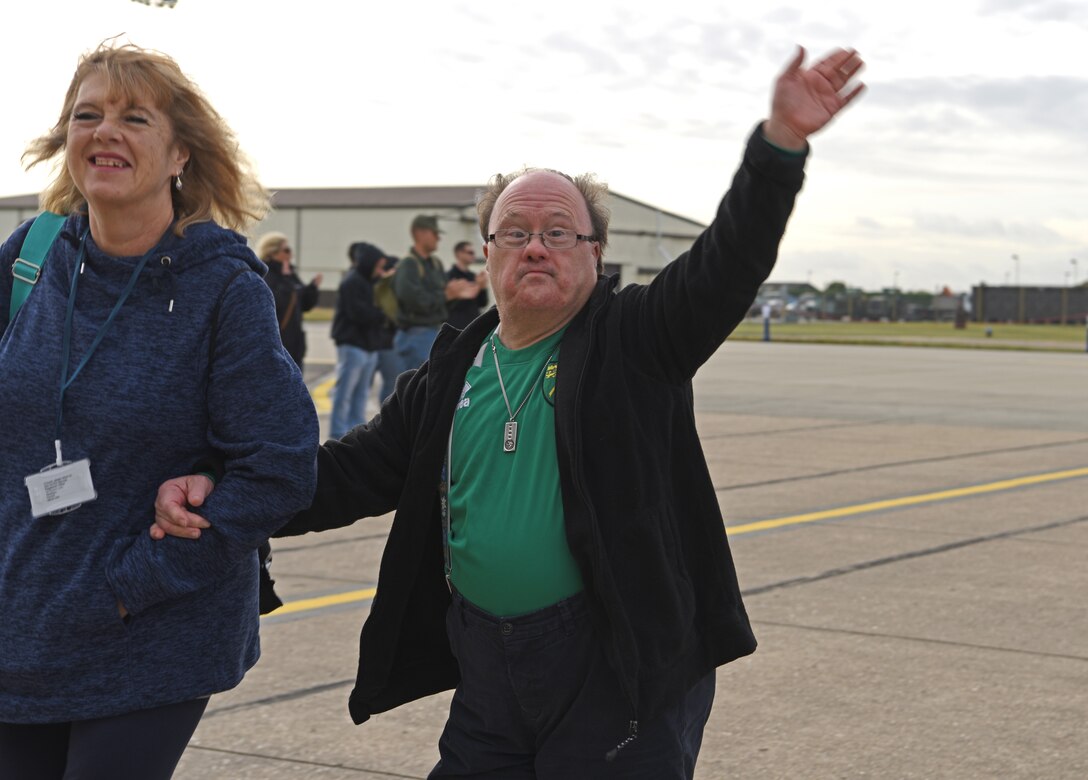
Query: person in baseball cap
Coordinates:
[425,222]
[420,286]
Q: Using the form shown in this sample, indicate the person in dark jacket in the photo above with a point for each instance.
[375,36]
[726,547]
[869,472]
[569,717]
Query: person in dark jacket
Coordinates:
[360,331]
[558,553]
[420,287]
[423,291]
[463,310]
[293,296]
[148,344]
[385,297]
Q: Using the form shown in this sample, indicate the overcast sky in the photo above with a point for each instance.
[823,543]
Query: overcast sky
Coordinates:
[969,146]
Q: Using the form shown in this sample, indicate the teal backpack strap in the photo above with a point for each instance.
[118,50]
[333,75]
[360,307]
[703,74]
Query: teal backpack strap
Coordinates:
[28,266]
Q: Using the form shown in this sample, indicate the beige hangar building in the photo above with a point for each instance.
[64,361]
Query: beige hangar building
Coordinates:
[322,223]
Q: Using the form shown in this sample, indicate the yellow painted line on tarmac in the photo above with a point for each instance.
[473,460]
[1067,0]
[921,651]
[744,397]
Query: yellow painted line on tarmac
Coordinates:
[336,599]
[304,605]
[320,394]
[895,503]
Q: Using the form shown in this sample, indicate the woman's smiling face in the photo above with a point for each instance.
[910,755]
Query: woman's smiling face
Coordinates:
[120,149]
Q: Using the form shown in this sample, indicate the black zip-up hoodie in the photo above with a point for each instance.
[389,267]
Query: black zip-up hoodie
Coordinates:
[641,514]
[358,322]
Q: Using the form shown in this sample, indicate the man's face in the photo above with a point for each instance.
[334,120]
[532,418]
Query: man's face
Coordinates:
[466,255]
[426,241]
[536,279]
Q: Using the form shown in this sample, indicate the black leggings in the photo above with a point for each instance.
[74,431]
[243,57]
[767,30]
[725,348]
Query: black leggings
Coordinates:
[146,744]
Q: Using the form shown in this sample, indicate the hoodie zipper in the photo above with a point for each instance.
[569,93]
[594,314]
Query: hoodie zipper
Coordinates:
[576,475]
[632,735]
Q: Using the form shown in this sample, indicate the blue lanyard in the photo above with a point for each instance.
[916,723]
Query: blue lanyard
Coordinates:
[66,345]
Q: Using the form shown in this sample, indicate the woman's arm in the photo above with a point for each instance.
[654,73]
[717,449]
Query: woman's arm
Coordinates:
[262,421]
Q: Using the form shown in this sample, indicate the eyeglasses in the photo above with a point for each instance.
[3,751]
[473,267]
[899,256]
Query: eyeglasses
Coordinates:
[288,250]
[556,238]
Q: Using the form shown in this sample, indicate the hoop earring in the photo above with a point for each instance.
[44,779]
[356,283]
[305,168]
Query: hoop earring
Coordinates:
[177,183]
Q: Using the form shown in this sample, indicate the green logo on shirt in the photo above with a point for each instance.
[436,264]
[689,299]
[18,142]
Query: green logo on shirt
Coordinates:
[548,385]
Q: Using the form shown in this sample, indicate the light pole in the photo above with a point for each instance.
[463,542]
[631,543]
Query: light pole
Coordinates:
[1065,297]
[895,292]
[1019,290]
[1073,262]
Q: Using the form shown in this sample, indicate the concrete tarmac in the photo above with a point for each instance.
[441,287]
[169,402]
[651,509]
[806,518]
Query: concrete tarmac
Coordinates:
[910,527]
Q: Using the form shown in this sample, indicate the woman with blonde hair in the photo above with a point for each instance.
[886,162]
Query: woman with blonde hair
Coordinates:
[293,297]
[148,343]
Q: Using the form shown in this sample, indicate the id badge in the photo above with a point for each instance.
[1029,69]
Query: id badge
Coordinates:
[60,488]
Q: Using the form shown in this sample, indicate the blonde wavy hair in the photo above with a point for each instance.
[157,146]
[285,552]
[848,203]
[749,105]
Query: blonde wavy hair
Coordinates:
[270,244]
[218,181]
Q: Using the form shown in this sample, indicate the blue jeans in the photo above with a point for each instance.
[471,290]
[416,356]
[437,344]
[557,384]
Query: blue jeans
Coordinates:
[388,368]
[538,701]
[354,373]
[413,345]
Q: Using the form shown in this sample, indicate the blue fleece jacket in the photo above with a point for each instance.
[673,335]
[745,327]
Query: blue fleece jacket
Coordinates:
[149,404]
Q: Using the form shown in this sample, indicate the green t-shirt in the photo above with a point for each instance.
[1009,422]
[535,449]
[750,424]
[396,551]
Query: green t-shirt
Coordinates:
[508,544]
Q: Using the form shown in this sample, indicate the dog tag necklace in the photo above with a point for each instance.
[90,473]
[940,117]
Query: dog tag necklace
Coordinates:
[510,432]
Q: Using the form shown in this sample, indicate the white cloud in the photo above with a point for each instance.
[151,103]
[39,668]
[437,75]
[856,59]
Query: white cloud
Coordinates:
[966,149]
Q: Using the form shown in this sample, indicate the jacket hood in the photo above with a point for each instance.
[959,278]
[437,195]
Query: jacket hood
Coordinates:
[203,242]
[365,257]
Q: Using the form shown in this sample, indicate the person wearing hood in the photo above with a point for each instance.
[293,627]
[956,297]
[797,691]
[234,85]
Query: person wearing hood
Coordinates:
[293,296]
[386,299]
[360,331]
[147,343]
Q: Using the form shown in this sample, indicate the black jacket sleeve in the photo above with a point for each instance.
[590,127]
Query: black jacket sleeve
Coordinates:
[308,296]
[681,318]
[363,474]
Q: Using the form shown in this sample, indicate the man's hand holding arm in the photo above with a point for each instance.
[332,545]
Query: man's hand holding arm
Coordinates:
[173,502]
[379,449]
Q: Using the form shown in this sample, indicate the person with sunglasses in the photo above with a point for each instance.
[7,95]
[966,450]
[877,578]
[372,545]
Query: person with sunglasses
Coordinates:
[467,306]
[293,296]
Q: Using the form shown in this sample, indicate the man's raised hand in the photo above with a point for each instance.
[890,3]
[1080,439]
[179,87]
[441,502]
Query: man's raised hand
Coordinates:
[806,99]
